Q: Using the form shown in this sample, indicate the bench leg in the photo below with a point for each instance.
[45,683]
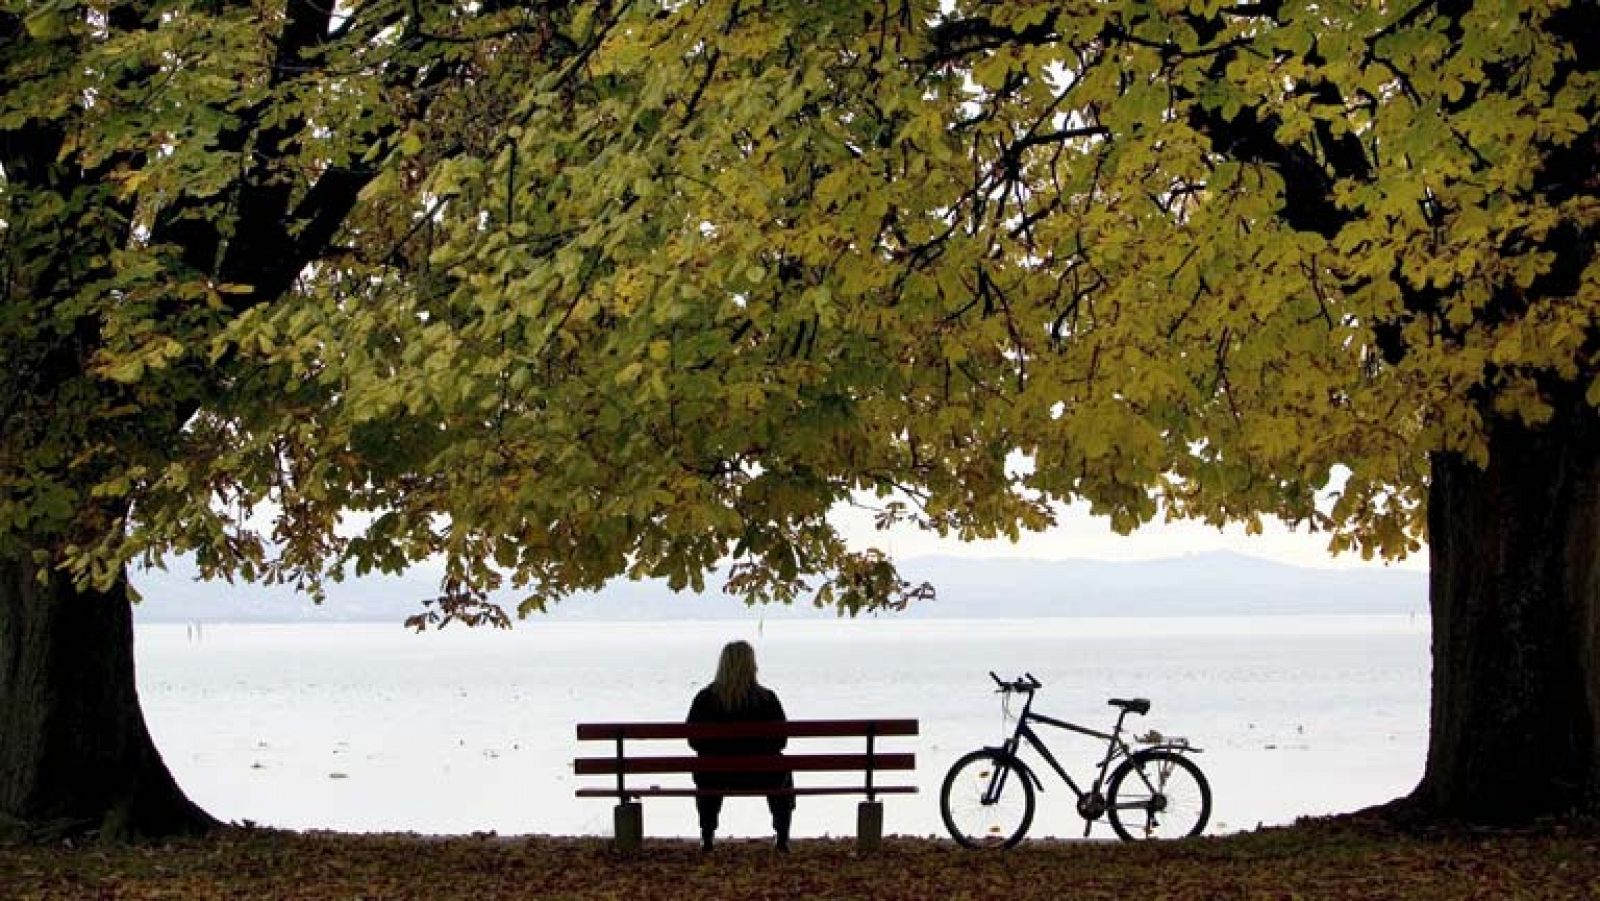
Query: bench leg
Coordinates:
[869,826]
[628,820]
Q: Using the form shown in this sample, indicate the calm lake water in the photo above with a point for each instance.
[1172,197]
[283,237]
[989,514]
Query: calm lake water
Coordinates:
[369,727]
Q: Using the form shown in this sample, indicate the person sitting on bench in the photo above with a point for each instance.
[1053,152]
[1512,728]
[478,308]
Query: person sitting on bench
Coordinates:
[735,696]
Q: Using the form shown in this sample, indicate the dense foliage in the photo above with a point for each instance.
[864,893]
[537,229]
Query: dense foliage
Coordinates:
[626,289]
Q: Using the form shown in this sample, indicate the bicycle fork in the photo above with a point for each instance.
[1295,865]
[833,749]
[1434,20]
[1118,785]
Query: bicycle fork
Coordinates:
[997,779]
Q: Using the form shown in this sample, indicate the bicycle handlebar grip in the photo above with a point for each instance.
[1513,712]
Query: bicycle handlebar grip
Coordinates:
[1025,682]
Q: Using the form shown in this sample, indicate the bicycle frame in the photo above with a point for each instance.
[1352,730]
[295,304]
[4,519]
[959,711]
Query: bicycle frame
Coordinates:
[1115,747]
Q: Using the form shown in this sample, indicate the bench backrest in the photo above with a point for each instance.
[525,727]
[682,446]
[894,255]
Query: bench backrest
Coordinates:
[769,729]
[621,762]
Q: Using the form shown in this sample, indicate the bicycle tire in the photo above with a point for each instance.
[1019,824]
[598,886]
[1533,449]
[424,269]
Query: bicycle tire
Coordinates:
[996,825]
[1169,791]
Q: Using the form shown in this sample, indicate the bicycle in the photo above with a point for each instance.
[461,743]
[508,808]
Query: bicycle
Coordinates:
[1155,792]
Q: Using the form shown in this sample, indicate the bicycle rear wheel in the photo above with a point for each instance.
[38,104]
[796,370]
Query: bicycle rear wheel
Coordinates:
[987,800]
[1158,794]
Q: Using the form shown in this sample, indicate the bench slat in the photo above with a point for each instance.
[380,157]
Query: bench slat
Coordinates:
[761,763]
[745,792]
[789,728]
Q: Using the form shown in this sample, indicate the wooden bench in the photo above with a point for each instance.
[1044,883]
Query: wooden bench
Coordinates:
[629,816]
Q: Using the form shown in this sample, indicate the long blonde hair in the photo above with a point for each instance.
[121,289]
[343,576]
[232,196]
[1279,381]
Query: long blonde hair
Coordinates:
[735,683]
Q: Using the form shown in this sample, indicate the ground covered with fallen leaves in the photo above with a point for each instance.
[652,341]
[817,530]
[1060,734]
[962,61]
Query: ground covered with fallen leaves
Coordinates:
[1313,860]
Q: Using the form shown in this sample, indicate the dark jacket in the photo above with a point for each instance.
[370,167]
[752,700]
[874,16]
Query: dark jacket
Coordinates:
[764,706]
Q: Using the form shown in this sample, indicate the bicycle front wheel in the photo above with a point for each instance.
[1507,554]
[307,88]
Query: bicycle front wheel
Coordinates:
[1158,794]
[987,800]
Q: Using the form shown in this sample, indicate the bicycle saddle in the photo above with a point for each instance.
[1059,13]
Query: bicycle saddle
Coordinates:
[1140,706]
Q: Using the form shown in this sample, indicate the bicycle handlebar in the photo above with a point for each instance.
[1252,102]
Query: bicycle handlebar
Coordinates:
[1025,683]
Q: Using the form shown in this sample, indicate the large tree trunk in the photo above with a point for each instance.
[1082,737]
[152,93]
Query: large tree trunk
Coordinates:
[75,756]
[1515,593]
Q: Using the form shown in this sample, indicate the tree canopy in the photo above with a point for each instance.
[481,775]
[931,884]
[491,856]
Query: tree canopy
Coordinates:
[626,289]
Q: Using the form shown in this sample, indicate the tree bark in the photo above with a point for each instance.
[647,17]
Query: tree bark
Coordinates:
[1515,595]
[75,755]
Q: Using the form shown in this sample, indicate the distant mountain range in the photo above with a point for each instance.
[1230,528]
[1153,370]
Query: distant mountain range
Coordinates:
[1211,584]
